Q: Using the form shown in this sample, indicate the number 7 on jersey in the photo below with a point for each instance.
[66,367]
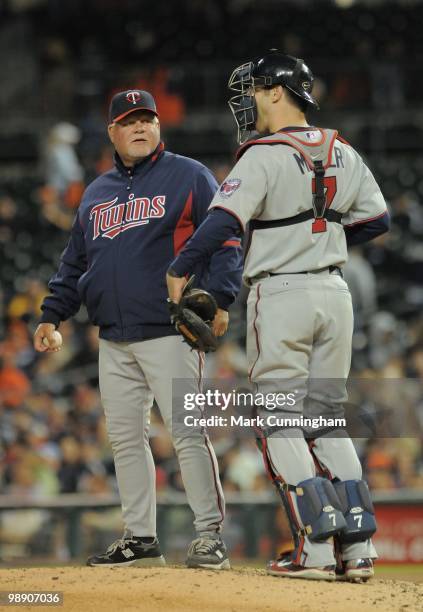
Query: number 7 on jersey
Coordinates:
[320,225]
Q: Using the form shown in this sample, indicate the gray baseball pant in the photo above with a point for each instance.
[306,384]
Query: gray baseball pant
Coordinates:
[132,375]
[300,329]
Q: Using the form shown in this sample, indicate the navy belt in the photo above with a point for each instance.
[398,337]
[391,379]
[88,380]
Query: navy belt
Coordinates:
[331,269]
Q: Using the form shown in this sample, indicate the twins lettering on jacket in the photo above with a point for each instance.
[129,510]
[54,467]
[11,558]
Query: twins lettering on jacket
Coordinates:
[111,218]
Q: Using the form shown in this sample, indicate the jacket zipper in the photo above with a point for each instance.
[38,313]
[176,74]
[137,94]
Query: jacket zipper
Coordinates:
[128,188]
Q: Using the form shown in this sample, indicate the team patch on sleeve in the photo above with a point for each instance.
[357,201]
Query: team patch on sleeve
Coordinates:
[228,187]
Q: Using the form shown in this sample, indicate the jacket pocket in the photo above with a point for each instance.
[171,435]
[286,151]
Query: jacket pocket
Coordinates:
[82,286]
[93,296]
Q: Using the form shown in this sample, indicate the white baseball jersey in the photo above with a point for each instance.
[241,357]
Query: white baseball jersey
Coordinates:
[299,326]
[274,181]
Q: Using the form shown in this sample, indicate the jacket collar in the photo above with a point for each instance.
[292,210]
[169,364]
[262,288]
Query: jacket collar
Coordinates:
[143,163]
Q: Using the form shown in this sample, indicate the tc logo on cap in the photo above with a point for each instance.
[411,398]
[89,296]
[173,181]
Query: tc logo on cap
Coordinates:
[125,102]
[133,96]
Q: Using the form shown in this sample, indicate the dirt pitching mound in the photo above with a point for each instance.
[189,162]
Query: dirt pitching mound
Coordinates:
[179,589]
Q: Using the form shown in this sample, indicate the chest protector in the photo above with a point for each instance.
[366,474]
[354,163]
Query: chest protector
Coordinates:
[316,148]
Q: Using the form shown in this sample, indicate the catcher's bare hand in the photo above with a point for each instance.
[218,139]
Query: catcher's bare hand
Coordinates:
[45,331]
[220,322]
[175,287]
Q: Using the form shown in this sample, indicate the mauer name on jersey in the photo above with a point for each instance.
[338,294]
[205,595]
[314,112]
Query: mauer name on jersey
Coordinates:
[338,161]
[110,218]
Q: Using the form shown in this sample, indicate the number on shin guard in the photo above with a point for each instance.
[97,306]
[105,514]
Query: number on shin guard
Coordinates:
[357,509]
[319,508]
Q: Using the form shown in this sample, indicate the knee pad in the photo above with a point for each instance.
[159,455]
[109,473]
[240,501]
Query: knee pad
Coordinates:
[358,511]
[319,508]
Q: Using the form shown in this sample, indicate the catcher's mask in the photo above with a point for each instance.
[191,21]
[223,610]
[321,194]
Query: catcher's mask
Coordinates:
[267,71]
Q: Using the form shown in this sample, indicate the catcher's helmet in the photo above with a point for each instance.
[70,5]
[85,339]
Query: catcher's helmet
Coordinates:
[272,69]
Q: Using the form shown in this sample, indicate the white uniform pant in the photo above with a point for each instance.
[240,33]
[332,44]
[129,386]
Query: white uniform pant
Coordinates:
[300,330]
[131,375]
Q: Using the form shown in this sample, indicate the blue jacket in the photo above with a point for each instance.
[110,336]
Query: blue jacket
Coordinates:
[130,225]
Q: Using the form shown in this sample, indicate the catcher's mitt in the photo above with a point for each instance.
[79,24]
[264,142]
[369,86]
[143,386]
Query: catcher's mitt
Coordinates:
[192,317]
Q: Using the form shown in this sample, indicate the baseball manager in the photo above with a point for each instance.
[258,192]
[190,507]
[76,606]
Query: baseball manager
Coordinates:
[131,223]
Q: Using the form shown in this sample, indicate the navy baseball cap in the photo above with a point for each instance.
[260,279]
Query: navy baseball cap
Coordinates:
[126,102]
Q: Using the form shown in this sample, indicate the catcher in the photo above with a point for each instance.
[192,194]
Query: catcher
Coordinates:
[306,196]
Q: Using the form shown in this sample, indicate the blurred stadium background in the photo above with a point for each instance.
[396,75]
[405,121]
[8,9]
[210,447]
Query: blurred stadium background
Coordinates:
[61,61]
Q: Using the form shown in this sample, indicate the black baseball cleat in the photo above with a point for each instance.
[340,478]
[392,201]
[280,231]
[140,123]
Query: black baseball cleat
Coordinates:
[285,567]
[208,553]
[129,550]
[355,570]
